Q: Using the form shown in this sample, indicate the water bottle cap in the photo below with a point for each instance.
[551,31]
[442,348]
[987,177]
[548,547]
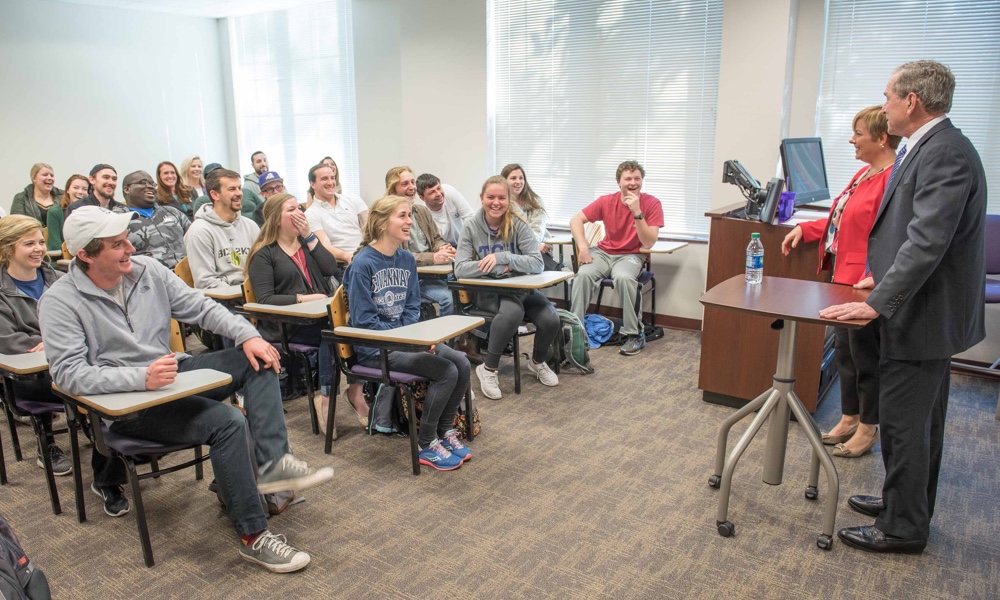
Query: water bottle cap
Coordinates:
[754,236]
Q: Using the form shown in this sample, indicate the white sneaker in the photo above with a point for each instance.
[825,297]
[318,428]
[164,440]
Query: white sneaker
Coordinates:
[543,373]
[489,381]
[274,554]
[290,474]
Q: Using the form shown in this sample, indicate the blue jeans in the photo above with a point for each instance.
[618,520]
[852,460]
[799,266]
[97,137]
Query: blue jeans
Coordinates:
[436,290]
[208,419]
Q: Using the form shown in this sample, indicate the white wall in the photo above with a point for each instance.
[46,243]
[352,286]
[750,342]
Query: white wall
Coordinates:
[85,85]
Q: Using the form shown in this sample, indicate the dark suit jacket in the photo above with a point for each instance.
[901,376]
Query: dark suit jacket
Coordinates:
[926,250]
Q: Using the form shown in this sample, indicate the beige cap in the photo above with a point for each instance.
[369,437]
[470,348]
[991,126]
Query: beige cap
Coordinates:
[89,223]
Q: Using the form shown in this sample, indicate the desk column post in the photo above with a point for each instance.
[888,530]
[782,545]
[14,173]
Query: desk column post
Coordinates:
[784,382]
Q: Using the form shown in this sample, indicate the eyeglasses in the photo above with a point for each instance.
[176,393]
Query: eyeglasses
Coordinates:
[279,187]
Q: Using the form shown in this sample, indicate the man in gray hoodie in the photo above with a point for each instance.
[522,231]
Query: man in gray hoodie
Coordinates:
[220,238]
[106,326]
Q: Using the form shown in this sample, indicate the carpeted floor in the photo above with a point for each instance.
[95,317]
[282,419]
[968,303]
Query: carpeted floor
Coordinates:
[594,489]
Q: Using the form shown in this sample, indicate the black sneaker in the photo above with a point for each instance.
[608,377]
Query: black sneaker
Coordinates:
[115,502]
[60,464]
[633,345]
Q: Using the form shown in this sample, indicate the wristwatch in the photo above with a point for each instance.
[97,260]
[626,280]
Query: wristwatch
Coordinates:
[638,217]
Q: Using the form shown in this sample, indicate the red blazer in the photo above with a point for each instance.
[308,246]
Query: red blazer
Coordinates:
[855,225]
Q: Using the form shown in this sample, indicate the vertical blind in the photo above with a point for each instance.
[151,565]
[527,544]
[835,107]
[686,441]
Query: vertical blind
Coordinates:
[578,86]
[867,39]
[293,87]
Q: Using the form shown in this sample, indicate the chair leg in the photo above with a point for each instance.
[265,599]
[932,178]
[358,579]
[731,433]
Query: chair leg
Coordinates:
[470,410]
[140,513]
[313,418]
[3,465]
[198,470]
[600,294]
[154,464]
[74,450]
[331,413]
[14,440]
[411,410]
[43,431]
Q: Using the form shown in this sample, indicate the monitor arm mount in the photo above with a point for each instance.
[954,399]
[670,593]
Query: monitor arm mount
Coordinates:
[735,173]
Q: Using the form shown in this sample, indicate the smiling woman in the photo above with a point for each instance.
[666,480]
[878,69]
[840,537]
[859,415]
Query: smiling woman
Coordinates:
[38,196]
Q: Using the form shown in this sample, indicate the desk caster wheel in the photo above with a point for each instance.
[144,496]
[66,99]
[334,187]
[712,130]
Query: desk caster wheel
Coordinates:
[725,528]
[811,493]
[714,481]
[825,542]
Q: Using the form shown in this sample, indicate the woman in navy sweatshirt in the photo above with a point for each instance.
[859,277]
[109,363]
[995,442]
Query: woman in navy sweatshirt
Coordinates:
[496,242]
[383,293]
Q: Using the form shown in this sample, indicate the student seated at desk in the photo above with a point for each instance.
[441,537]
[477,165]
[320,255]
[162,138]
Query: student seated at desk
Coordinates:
[496,242]
[107,327]
[24,277]
[383,293]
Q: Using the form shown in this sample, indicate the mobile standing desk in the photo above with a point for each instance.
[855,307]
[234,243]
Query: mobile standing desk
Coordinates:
[789,302]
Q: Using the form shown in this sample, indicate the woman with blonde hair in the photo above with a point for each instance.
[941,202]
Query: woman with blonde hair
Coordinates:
[39,196]
[171,190]
[288,265]
[77,188]
[527,201]
[24,277]
[192,177]
[382,291]
[496,242]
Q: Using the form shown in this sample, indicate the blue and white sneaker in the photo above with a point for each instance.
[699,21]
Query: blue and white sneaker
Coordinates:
[455,445]
[436,456]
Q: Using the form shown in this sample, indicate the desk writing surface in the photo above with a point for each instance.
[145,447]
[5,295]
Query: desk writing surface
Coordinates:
[558,240]
[225,292]
[55,253]
[24,364]
[521,282]
[430,332]
[187,384]
[444,269]
[664,247]
[783,298]
[314,309]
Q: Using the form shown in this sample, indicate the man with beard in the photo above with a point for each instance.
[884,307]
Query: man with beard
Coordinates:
[103,183]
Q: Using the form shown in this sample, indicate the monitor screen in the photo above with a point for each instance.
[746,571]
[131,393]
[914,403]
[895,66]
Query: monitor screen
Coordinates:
[804,169]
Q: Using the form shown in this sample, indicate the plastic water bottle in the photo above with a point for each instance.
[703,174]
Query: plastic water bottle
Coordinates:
[755,259]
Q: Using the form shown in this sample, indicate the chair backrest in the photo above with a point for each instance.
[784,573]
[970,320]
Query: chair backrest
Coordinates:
[594,232]
[248,294]
[66,254]
[992,244]
[339,314]
[183,270]
[45,234]
[177,343]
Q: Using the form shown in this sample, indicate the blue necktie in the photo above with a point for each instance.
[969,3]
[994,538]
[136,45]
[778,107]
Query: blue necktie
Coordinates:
[888,182]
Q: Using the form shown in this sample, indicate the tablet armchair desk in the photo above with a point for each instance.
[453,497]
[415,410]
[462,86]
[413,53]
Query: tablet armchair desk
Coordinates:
[789,301]
[14,365]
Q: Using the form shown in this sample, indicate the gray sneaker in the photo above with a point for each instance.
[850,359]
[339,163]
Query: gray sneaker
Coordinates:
[290,474]
[60,464]
[274,554]
[633,345]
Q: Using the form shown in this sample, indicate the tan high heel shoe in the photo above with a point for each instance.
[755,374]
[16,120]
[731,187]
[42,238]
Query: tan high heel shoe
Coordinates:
[843,451]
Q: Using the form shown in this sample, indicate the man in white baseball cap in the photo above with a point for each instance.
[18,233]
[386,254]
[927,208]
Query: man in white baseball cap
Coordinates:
[106,327]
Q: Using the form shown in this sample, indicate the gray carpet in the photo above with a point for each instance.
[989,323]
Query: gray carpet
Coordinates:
[593,489]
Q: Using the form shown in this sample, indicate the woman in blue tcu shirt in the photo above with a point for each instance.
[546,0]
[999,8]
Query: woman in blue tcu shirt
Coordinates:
[496,242]
[383,293]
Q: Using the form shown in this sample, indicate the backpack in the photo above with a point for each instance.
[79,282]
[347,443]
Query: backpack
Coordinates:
[19,578]
[575,349]
[388,413]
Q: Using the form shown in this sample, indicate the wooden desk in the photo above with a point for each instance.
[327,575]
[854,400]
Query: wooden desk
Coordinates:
[24,364]
[54,253]
[225,292]
[120,404]
[738,349]
[536,281]
[423,333]
[314,309]
[787,303]
[439,271]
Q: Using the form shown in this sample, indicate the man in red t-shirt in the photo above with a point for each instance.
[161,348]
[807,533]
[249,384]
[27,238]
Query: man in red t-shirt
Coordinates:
[632,220]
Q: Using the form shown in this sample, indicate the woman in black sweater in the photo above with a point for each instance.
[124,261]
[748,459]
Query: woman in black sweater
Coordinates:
[288,265]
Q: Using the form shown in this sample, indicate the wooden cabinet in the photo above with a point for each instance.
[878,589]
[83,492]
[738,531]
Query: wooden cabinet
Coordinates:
[739,351]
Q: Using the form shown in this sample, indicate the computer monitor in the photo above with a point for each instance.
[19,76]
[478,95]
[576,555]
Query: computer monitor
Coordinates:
[804,169]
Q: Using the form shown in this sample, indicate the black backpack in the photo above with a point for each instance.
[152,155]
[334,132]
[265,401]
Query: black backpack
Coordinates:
[19,578]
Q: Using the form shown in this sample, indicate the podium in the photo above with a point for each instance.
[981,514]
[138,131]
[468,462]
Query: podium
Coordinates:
[738,350]
[787,303]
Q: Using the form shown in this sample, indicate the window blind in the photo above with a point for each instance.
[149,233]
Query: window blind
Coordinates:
[293,87]
[867,39]
[578,86]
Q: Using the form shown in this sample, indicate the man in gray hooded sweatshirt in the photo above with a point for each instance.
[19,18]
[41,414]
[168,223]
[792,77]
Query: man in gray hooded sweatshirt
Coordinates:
[220,238]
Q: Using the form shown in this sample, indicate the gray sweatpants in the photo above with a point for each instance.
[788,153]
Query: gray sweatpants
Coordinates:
[624,269]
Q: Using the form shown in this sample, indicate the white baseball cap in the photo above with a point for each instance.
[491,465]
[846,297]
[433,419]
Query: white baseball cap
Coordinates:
[89,223]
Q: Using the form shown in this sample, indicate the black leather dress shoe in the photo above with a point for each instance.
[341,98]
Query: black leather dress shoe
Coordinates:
[871,539]
[866,505]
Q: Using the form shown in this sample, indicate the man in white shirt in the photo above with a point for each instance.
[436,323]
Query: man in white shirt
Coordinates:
[219,240]
[336,219]
[448,207]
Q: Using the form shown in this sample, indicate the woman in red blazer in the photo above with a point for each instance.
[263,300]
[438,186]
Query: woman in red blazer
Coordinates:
[843,240]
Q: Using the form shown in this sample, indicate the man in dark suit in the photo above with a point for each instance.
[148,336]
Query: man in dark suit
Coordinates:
[925,251]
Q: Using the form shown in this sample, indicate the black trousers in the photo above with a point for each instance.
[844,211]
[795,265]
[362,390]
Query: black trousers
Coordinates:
[912,409]
[856,353]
